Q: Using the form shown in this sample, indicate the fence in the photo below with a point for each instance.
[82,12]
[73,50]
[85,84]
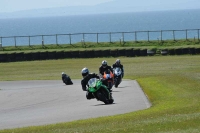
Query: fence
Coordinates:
[99,37]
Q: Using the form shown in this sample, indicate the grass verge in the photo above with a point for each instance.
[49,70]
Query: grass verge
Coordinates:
[171,83]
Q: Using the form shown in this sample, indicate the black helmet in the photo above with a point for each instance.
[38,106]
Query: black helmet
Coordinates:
[117,62]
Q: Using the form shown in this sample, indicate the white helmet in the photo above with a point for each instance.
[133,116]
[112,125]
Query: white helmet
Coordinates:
[84,71]
[63,73]
[104,63]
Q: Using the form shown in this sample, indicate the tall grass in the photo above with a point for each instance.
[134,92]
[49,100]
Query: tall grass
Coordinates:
[172,84]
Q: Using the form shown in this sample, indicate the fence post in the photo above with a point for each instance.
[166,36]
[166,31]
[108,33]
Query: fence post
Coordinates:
[148,35]
[198,34]
[173,35]
[56,39]
[42,41]
[29,41]
[186,34]
[83,38]
[15,41]
[70,40]
[135,36]
[110,36]
[97,37]
[1,41]
[123,37]
[161,35]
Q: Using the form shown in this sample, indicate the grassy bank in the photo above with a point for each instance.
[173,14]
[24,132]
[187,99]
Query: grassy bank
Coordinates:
[172,84]
[156,45]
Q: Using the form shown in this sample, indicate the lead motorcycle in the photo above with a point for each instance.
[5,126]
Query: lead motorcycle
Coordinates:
[100,91]
[117,76]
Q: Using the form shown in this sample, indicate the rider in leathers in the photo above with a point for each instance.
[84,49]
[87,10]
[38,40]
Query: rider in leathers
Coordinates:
[84,82]
[118,64]
[104,66]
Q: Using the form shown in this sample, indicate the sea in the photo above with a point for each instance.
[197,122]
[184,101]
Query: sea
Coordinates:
[100,27]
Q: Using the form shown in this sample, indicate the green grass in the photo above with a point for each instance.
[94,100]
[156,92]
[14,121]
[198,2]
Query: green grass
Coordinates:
[157,45]
[172,84]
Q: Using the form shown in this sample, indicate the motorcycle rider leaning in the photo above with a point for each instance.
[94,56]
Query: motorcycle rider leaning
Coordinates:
[84,82]
[104,66]
[118,64]
[66,79]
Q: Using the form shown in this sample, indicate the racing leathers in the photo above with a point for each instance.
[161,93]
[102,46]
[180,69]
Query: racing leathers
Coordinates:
[121,66]
[84,83]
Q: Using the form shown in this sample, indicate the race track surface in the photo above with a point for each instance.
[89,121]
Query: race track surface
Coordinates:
[32,103]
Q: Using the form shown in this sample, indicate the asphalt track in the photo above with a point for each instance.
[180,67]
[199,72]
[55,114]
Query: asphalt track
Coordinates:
[32,103]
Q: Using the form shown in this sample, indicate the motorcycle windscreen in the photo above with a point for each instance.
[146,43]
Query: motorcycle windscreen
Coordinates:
[92,85]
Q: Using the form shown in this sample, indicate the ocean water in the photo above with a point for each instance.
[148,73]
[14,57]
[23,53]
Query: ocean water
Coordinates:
[103,24]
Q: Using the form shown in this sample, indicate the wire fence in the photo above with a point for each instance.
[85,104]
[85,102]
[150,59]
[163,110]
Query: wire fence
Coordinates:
[135,36]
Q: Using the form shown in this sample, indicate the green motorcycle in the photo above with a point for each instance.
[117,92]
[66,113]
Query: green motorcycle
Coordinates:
[100,91]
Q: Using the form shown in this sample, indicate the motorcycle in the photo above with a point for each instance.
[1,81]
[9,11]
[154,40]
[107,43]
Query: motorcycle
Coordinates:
[108,78]
[117,76]
[100,91]
[66,79]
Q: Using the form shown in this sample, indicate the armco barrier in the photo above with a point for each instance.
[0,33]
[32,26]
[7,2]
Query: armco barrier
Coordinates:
[185,51]
[19,56]
[98,53]
[106,53]
[114,53]
[192,51]
[197,50]
[11,57]
[59,54]
[82,54]
[171,51]
[121,52]
[51,55]
[137,52]
[178,51]
[130,52]
[36,55]
[75,54]
[3,57]
[143,52]
[28,56]
[90,54]
[44,55]
[67,54]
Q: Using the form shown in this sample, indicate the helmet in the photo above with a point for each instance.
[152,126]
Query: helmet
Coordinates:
[104,63]
[85,71]
[118,62]
[63,73]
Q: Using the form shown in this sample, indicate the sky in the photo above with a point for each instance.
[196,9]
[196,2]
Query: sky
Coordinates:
[17,5]
[10,6]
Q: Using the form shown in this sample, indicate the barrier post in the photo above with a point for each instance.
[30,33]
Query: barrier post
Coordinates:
[42,41]
[0,42]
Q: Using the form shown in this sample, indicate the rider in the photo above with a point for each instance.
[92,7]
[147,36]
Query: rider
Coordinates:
[104,66]
[84,82]
[118,64]
[66,79]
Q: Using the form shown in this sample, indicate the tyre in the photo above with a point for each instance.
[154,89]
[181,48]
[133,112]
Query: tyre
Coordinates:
[117,82]
[103,96]
[111,101]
